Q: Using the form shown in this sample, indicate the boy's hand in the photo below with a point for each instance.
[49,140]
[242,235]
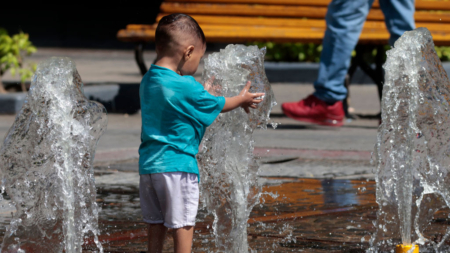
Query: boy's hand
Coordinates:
[245,100]
[250,100]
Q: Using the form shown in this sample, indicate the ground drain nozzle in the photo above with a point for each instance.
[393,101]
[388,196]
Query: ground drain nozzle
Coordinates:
[406,248]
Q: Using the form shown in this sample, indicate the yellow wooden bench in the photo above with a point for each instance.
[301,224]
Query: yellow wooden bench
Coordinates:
[284,21]
[240,21]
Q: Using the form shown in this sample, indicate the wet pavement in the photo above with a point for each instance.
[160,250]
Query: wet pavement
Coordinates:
[317,215]
[295,215]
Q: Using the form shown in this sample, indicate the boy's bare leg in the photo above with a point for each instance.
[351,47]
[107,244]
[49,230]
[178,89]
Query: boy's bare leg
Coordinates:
[182,238]
[156,237]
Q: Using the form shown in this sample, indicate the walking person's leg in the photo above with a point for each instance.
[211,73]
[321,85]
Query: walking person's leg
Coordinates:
[399,17]
[345,20]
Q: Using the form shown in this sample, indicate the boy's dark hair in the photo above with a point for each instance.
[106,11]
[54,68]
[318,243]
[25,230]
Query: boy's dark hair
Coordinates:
[170,24]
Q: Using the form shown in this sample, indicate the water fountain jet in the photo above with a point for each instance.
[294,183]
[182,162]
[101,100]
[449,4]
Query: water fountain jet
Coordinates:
[412,154]
[46,163]
[228,168]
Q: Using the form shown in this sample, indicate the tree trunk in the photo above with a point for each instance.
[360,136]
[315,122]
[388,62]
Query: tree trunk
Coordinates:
[2,88]
[23,86]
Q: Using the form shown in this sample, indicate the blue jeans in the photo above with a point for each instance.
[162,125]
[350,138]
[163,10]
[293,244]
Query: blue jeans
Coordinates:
[345,20]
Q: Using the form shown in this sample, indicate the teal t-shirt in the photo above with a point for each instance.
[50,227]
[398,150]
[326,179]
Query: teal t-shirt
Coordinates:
[175,113]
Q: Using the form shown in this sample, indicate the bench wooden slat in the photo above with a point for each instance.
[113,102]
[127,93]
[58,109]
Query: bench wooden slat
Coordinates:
[433,5]
[290,22]
[253,21]
[141,27]
[242,33]
[420,4]
[252,10]
[282,11]
[270,2]
[368,35]
[232,33]
[235,34]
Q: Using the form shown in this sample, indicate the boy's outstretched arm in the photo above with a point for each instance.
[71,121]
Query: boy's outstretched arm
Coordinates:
[245,100]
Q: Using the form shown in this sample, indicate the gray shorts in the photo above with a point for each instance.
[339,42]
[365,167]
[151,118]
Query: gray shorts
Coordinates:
[170,198]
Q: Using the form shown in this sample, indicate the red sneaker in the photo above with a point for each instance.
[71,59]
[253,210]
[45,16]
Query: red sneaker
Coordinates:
[314,110]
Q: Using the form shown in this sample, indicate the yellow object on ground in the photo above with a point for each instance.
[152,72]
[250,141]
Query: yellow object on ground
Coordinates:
[406,248]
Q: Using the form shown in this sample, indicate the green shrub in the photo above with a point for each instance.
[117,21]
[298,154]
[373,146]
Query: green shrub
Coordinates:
[309,52]
[13,50]
[443,53]
[291,52]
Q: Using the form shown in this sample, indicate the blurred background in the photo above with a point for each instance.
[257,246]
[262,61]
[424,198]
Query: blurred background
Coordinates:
[75,28]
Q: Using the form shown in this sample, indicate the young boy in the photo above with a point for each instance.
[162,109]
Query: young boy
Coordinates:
[176,110]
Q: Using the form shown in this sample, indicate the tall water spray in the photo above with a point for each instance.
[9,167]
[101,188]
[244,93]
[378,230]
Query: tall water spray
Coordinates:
[46,163]
[412,153]
[228,168]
